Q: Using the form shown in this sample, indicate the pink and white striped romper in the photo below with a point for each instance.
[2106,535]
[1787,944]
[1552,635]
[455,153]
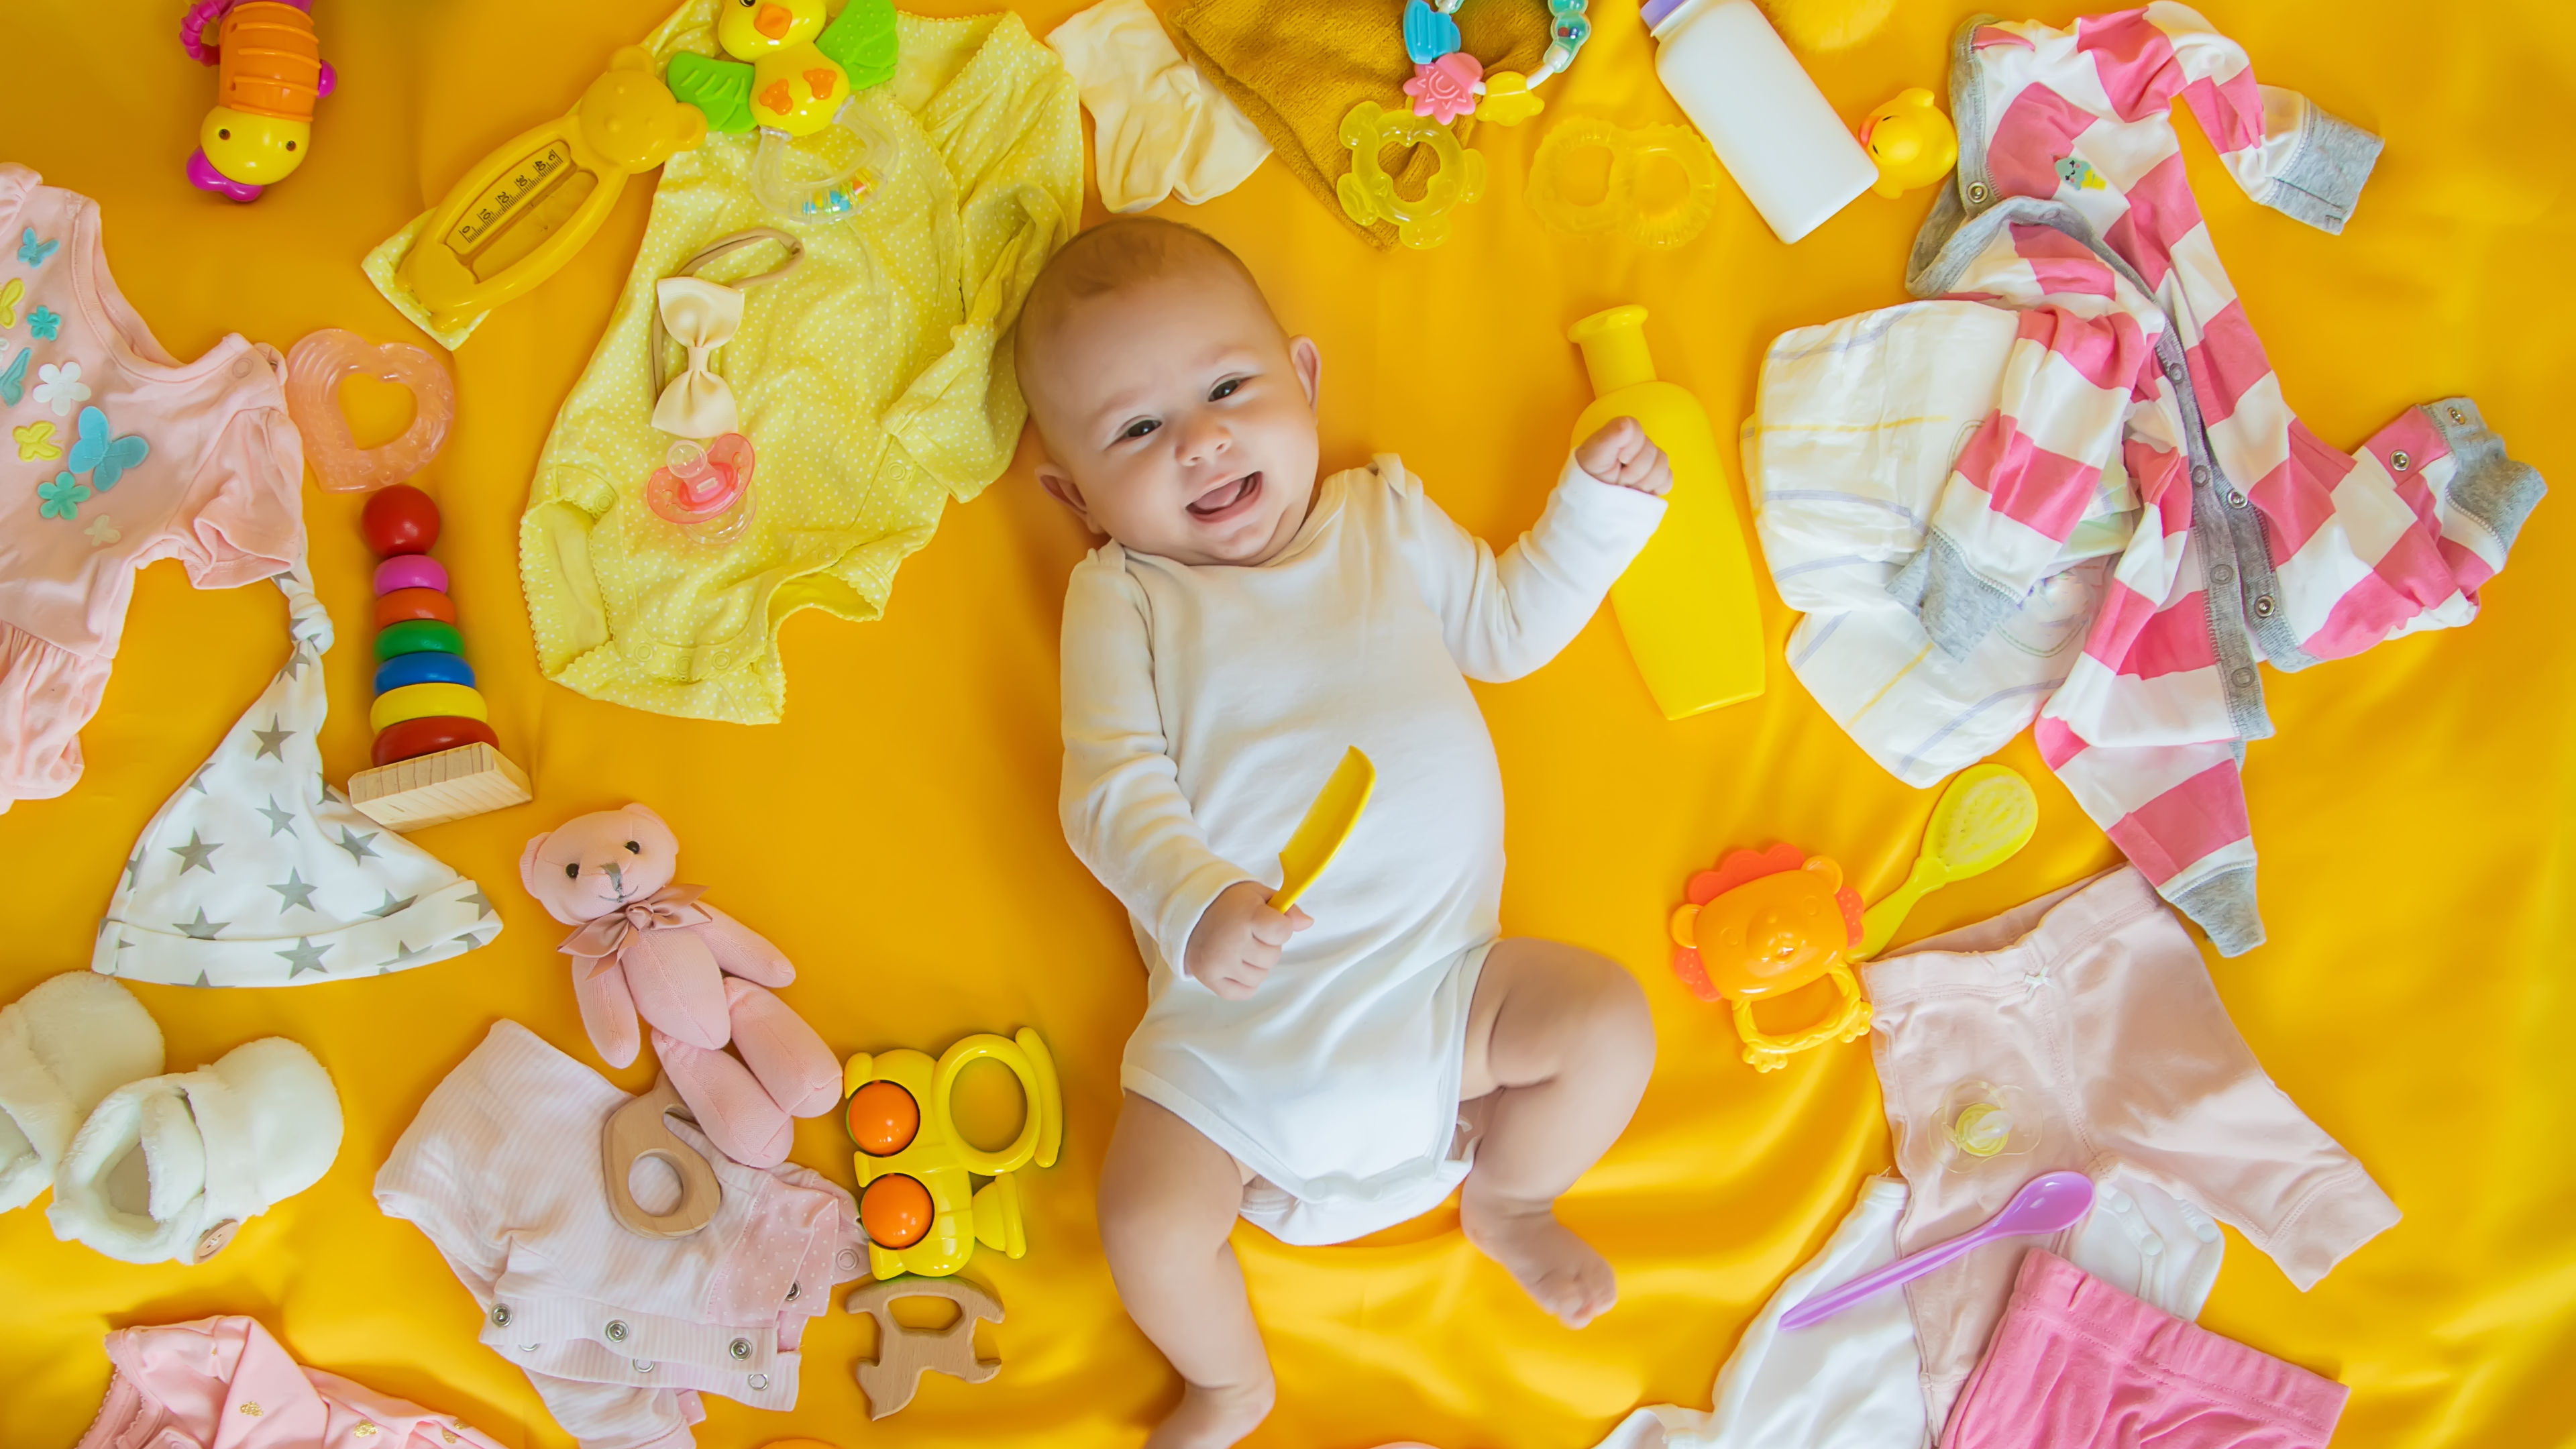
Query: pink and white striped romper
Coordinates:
[2131,390]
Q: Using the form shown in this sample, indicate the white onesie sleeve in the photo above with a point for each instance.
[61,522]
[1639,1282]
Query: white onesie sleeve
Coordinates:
[1505,617]
[1121,801]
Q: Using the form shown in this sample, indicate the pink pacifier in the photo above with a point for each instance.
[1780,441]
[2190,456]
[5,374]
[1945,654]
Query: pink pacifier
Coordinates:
[706,490]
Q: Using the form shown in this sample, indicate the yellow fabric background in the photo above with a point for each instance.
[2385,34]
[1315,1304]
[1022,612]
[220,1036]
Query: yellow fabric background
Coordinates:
[897,836]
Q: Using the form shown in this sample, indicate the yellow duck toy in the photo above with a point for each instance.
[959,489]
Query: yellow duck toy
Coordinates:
[790,70]
[1912,142]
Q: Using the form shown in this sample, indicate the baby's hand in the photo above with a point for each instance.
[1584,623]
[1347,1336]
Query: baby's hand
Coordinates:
[1621,453]
[1239,939]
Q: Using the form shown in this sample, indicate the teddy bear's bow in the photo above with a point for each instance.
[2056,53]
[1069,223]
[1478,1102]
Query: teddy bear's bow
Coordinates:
[599,942]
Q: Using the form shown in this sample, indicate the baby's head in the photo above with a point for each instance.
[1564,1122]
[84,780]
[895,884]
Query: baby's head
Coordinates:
[1178,417]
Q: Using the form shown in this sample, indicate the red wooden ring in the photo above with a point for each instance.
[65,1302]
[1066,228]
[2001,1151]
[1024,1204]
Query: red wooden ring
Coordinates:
[429,734]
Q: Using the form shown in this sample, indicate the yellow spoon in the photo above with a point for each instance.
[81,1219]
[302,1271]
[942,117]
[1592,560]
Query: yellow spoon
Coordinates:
[1983,819]
[1328,821]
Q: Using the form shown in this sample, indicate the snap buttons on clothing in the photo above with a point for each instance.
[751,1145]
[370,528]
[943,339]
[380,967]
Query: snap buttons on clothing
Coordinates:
[1976,193]
[2399,460]
[500,1315]
[2200,474]
[2235,497]
[2223,574]
[527,1348]
[363,1431]
[2263,607]
[2173,370]
[2457,416]
[642,1365]
[2241,678]
[241,368]
[847,1260]
[617,1330]
[215,1238]
[795,1291]
[758,1381]
[739,1348]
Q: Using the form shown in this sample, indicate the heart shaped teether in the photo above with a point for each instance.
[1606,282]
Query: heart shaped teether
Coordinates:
[314,371]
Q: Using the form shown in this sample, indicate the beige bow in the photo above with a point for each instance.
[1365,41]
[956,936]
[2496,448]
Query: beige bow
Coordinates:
[701,316]
[595,947]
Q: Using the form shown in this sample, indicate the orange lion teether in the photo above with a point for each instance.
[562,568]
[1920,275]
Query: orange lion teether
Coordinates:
[1764,924]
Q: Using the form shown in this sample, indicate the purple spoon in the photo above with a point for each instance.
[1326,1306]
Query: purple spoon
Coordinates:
[2048,1203]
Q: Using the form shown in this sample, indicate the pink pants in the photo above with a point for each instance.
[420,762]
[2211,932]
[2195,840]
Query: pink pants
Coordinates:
[2078,1364]
[223,1383]
[2097,1007]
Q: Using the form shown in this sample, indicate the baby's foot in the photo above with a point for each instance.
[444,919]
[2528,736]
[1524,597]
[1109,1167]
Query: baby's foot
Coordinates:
[1213,1418]
[1554,1266]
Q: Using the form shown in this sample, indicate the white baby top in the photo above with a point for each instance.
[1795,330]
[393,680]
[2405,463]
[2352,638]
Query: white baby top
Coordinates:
[1203,709]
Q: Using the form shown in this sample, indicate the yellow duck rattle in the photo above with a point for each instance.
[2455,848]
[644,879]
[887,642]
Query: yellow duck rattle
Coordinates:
[1911,141]
[790,70]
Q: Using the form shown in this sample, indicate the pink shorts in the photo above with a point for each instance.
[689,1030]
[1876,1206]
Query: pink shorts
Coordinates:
[2078,1364]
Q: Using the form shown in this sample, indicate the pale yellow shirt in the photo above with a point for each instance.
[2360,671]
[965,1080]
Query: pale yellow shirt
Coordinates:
[866,378]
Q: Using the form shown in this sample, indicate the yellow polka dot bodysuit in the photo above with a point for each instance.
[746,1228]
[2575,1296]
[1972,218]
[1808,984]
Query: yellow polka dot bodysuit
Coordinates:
[870,380]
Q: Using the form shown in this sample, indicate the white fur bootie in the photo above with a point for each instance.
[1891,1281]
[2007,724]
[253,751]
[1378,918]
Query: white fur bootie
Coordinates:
[64,1045]
[169,1168]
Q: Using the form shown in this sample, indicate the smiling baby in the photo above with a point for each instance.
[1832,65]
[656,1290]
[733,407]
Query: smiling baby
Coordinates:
[1344,1066]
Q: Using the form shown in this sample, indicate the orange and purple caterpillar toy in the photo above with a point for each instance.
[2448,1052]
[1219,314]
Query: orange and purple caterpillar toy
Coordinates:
[269,72]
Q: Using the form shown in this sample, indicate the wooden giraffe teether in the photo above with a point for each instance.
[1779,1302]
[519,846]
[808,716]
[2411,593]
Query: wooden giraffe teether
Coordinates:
[905,1354]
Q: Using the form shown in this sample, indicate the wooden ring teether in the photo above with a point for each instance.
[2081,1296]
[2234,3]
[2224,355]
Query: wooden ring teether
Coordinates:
[319,363]
[636,1131]
[905,1354]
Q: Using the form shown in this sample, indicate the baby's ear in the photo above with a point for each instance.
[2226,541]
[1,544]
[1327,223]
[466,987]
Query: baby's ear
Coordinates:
[1308,359]
[1060,486]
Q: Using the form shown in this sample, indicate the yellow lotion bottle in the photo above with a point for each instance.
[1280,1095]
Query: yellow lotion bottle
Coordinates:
[1687,604]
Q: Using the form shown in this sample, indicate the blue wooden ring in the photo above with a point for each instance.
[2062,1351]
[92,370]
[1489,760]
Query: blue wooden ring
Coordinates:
[422,668]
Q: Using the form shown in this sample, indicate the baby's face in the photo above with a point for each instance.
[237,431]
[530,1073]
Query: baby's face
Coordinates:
[1177,419]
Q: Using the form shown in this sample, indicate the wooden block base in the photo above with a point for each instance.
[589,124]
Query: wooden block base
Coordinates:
[431,790]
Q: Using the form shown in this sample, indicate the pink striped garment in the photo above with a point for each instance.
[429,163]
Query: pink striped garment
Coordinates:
[2253,541]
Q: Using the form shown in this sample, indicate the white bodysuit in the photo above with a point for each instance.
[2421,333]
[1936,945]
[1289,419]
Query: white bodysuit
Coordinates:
[1203,709]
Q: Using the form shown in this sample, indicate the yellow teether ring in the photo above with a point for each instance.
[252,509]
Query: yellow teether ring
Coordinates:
[1620,207]
[1368,193]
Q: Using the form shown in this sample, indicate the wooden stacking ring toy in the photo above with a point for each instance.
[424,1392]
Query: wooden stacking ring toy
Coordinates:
[435,758]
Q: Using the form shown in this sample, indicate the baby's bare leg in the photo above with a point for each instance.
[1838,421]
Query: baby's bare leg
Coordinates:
[1561,1039]
[1168,1197]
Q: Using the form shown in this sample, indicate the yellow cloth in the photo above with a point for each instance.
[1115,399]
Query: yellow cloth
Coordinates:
[1298,66]
[866,380]
[896,835]
[1159,128]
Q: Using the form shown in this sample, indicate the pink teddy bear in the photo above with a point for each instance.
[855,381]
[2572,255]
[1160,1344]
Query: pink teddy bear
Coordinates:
[698,977]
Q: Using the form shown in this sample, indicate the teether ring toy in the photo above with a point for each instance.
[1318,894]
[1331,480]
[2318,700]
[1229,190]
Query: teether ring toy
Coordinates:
[1766,924]
[638,1130]
[317,366]
[1447,82]
[905,1354]
[1368,194]
[1619,208]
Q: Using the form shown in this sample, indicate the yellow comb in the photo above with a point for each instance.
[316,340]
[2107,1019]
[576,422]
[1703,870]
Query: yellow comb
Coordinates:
[1328,822]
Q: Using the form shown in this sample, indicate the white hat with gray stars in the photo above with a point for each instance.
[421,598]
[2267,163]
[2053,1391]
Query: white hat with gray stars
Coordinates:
[256,873]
